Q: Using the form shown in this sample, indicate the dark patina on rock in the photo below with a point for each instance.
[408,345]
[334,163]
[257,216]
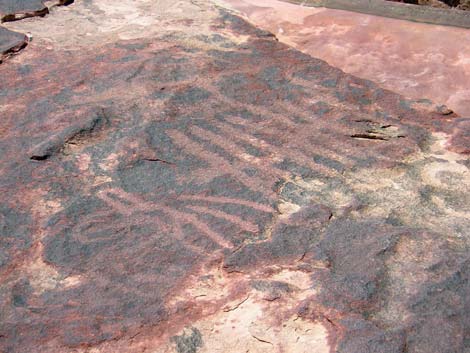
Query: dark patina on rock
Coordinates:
[179,192]
[11,42]
[12,10]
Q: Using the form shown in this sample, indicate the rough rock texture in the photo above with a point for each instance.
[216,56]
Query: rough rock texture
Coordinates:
[433,3]
[175,180]
[10,42]
[414,59]
[12,10]
[460,4]
[408,10]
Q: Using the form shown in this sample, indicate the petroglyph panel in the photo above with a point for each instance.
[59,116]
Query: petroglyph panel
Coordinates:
[171,192]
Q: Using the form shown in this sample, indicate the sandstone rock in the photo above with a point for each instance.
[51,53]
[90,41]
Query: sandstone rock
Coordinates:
[183,182]
[10,42]
[12,10]
[413,59]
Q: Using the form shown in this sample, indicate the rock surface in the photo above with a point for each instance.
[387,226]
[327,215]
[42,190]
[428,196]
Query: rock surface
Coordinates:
[460,4]
[414,59]
[10,42]
[176,180]
[13,10]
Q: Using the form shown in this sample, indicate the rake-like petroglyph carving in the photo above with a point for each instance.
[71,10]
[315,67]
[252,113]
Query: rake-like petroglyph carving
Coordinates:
[174,218]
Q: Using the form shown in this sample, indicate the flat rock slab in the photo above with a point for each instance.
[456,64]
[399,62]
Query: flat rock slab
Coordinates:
[414,59]
[179,181]
[12,10]
[403,11]
[10,42]
[16,9]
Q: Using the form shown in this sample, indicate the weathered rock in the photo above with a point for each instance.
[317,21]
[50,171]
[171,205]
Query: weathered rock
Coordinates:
[414,59]
[433,3]
[186,183]
[12,10]
[461,4]
[10,42]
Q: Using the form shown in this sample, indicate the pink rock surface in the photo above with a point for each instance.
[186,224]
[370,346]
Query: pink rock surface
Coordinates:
[414,59]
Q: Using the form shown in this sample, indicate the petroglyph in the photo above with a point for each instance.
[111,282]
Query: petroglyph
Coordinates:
[222,200]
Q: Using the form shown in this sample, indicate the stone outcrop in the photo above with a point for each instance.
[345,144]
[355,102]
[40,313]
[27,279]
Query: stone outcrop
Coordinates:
[174,179]
[460,4]
[13,10]
[11,42]
[416,60]
[435,12]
